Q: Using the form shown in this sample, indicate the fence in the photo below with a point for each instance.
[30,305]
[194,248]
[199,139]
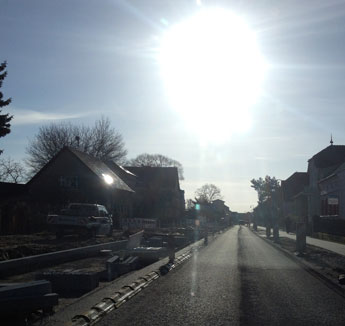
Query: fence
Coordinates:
[329,224]
[138,223]
[23,216]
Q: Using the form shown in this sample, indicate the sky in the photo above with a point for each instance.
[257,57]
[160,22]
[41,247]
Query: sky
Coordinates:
[76,60]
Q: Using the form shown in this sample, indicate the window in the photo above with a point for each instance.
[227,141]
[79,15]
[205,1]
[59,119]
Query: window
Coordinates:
[329,206]
[70,182]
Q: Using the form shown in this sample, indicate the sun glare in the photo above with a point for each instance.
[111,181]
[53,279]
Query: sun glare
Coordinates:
[212,69]
[108,179]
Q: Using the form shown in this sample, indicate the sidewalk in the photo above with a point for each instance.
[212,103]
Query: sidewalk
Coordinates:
[328,245]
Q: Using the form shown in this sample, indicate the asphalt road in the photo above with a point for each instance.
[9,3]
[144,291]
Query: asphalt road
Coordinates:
[238,279]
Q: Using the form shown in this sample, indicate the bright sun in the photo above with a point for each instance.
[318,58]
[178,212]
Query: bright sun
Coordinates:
[212,69]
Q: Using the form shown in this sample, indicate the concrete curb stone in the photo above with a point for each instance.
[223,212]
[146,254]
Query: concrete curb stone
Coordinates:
[30,263]
[128,291]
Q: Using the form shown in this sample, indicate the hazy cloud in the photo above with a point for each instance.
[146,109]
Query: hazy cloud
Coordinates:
[26,117]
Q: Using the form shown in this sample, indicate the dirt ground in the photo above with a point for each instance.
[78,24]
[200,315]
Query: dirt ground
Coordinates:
[17,246]
[330,263]
[326,262]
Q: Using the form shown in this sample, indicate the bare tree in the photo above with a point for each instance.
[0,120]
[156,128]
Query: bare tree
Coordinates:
[101,141]
[156,160]
[11,171]
[208,193]
[106,143]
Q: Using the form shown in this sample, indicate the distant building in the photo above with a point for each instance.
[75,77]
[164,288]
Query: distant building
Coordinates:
[157,194]
[212,214]
[223,211]
[295,201]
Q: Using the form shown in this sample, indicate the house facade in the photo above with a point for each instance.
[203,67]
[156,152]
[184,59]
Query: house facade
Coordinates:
[128,193]
[294,200]
[74,176]
[212,215]
[14,213]
[222,211]
[157,194]
[322,166]
[332,193]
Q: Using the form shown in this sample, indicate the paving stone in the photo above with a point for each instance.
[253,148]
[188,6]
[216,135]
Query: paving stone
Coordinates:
[71,281]
[27,304]
[40,287]
[111,269]
[133,262]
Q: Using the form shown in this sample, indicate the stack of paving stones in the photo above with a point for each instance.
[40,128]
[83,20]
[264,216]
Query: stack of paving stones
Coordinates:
[76,282]
[18,301]
[154,242]
[70,282]
[115,267]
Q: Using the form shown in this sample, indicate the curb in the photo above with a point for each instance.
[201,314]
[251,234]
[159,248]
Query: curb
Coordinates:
[307,267]
[114,301]
[30,263]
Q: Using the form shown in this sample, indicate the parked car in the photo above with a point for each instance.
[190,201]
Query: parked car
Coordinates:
[85,219]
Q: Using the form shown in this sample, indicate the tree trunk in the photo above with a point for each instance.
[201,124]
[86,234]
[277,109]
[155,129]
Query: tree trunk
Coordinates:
[276,232]
[301,237]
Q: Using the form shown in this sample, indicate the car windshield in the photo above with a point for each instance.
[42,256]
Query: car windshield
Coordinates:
[83,210]
[176,162]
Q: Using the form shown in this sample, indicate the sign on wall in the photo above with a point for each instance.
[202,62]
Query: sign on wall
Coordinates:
[333,201]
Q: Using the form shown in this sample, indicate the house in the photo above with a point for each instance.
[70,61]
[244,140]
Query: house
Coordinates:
[212,214]
[222,211]
[157,194]
[10,190]
[294,201]
[332,193]
[128,177]
[74,176]
[131,192]
[321,166]
[13,210]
